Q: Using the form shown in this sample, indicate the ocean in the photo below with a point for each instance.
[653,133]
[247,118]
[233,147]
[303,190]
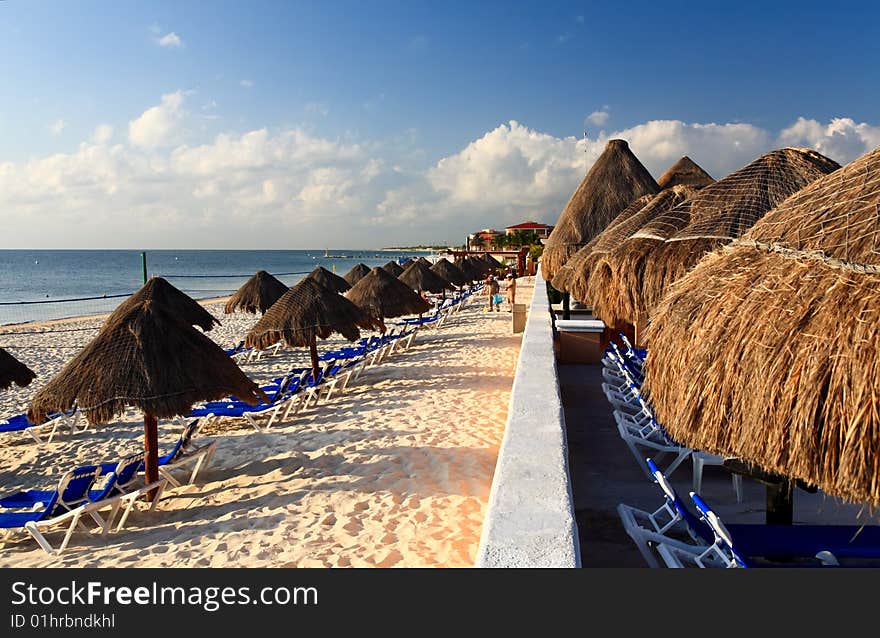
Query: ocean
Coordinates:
[41,285]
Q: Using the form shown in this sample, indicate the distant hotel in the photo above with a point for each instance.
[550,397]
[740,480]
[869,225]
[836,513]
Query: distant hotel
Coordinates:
[487,235]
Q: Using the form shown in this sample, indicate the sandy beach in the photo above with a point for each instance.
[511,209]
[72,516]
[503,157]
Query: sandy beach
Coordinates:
[395,472]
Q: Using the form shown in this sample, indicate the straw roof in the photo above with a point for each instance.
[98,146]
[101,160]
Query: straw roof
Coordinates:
[383,296]
[419,277]
[258,293]
[643,267]
[422,261]
[611,184]
[564,276]
[393,268]
[685,172]
[780,328]
[13,371]
[450,272]
[470,270]
[329,279]
[147,354]
[354,275]
[489,259]
[308,311]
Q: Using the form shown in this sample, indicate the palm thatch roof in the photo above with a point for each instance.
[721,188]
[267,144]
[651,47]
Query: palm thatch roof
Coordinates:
[780,327]
[611,184]
[13,371]
[489,259]
[564,276]
[393,268]
[419,277]
[355,274]
[147,354]
[306,312]
[450,272]
[383,296]
[685,172]
[329,279]
[653,258]
[257,294]
[422,261]
[470,270]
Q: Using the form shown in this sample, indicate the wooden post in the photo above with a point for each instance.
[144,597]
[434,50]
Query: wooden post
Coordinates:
[313,352]
[566,309]
[780,503]
[144,264]
[151,452]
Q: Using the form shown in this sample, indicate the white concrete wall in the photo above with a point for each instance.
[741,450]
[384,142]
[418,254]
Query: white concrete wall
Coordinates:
[530,518]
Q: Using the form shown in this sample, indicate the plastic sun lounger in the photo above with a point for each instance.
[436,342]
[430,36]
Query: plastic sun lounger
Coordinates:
[45,432]
[65,505]
[184,454]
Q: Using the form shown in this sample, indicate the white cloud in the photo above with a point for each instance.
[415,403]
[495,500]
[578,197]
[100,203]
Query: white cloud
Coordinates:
[227,191]
[247,83]
[159,125]
[102,134]
[841,137]
[57,127]
[598,117]
[170,41]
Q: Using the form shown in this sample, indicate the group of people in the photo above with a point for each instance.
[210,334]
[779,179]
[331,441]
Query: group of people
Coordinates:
[493,290]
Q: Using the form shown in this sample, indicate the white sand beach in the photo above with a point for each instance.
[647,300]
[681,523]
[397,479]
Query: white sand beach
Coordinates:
[395,472]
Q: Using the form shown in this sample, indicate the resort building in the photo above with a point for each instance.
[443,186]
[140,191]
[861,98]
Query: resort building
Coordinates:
[541,230]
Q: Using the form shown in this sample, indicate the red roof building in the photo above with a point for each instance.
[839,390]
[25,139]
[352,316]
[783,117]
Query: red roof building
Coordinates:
[541,230]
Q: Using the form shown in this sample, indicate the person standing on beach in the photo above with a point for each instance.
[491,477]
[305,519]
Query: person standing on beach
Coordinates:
[511,292]
[493,288]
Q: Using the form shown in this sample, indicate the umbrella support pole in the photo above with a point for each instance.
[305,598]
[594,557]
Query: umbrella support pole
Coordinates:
[780,504]
[566,307]
[151,453]
[313,353]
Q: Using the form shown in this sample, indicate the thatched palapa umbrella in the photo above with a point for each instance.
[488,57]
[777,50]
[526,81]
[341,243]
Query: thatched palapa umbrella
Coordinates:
[148,355]
[308,312]
[450,272]
[642,270]
[329,280]
[257,294]
[786,321]
[13,371]
[419,277]
[615,179]
[575,274]
[393,268]
[355,274]
[383,297]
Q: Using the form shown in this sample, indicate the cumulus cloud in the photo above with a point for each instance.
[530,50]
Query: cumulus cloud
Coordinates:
[169,41]
[159,125]
[285,188]
[102,134]
[57,127]
[598,117]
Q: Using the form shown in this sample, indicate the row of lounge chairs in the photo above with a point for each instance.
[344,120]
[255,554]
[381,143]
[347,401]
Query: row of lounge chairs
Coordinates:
[84,492]
[676,536]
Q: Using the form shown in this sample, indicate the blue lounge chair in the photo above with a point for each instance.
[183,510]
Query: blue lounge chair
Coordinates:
[44,432]
[35,511]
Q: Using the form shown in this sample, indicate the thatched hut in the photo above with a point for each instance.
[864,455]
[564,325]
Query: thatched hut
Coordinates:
[450,272]
[393,268]
[308,312]
[383,297]
[257,294]
[329,280]
[643,267]
[780,328]
[356,274]
[616,179]
[421,278]
[148,355]
[13,371]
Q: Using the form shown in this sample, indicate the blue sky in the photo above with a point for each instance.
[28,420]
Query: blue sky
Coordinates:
[395,121]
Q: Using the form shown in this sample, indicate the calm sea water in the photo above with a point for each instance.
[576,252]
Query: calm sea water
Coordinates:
[53,277]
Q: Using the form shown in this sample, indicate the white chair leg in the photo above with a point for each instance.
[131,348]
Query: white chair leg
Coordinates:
[738,487]
[34,531]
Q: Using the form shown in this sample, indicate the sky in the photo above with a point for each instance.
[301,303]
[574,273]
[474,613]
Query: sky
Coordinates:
[367,124]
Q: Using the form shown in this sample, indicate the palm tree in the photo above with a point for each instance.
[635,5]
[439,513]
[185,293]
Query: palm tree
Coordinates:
[477,241]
